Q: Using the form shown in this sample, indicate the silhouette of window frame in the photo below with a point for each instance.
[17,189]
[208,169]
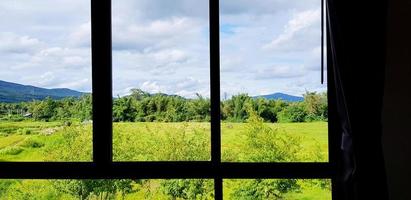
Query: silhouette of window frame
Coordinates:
[103,167]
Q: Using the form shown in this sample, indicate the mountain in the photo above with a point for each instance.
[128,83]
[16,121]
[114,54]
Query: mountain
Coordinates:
[13,92]
[282,96]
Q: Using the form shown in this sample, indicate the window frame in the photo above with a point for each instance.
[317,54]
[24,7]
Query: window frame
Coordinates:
[103,167]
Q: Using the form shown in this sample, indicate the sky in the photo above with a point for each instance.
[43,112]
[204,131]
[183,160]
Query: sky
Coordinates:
[266,46]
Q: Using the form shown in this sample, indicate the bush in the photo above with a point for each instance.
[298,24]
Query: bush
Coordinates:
[95,188]
[33,190]
[266,144]
[5,185]
[199,189]
[14,118]
[261,189]
[31,143]
[293,113]
[13,150]
[24,131]
[71,143]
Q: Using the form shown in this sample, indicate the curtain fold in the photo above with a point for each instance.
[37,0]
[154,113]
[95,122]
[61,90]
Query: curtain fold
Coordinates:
[356,34]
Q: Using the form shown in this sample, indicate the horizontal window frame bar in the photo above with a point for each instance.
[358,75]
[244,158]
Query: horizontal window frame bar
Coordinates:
[163,170]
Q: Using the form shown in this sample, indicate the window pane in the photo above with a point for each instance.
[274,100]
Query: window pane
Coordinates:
[45,80]
[318,189]
[161,82]
[274,108]
[118,189]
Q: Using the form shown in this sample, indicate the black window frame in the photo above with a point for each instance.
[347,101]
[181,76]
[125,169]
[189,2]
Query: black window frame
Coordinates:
[103,167]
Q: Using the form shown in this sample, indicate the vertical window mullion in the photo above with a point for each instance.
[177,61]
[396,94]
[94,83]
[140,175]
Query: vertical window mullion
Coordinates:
[215,82]
[101,81]
[214,21]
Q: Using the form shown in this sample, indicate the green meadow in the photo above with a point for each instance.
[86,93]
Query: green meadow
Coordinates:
[172,141]
[148,141]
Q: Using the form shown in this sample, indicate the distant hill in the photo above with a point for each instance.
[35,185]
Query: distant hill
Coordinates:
[13,92]
[282,96]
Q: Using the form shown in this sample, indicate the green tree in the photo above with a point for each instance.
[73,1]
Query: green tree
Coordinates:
[44,110]
[196,189]
[199,109]
[124,109]
[316,106]
[83,108]
[266,144]
[234,109]
[262,189]
[294,112]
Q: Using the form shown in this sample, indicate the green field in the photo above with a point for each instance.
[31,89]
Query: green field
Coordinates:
[149,141]
[154,141]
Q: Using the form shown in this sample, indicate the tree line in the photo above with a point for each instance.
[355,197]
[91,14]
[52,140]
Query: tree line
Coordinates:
[141,106]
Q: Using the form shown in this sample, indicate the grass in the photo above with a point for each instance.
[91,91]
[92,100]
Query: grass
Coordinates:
[313,135]
[308,190]
[32,138]
[35,127]
[52,141]
[131,139]
[30,152]
[6,141]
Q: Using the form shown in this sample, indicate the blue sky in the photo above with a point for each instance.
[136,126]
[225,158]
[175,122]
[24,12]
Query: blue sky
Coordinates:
[162,46]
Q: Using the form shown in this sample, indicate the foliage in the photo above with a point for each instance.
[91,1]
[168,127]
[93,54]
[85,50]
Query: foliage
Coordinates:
[32,143]
[196,189]
[295,112]
[161,141]
[145,141]
[104,189]
[189,140]
[141,106]
[124,109]
[11,150]
[5,185]
[316,106]
[29,189]
[72,143]
[24,131]
[261,189]
[266,144]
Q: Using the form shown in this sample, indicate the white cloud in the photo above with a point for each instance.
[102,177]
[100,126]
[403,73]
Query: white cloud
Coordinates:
[152,87]
[19,44]
[187,87]
[46,43]
[81,35]
[301,32]
[279,72]
[262,7]
[163,46]
[156,34]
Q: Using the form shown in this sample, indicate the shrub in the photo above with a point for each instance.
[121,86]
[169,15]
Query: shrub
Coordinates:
[5,185]
[293,113]
[13,150]
[266,144]
[31,143]
[14,118]
[71,143]
[24,131]
[95,188]
[261,189]
[33,190]
[188,188]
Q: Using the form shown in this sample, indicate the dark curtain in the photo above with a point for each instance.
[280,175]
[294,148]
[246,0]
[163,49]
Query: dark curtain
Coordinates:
[356,31]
